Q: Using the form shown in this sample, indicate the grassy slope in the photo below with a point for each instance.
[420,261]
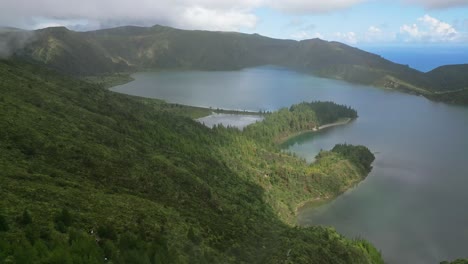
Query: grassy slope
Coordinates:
[172,189]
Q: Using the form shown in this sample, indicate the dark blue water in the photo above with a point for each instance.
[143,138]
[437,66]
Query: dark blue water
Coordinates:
[413,204]
[423,58]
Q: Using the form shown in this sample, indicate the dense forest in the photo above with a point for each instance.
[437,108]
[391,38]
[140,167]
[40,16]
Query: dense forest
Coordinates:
[91,176]
[359,155]
[298,118]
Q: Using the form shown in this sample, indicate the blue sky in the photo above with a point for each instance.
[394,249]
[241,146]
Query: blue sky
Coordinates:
[355,22]
[371,23]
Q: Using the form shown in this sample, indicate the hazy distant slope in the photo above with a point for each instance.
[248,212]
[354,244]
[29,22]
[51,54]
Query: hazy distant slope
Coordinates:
[163,47]
[136,48]
[67,51]
[339,61]
[167,47]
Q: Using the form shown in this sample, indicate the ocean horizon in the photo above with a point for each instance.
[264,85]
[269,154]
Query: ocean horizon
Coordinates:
[425,58]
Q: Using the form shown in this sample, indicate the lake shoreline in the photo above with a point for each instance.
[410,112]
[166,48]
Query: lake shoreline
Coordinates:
[208,111]
[282,140]
[397,124]
[237,120]
[390,84]
[112,81]
[317,202]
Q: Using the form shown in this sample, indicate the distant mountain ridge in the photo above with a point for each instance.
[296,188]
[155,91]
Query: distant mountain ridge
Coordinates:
[132,48]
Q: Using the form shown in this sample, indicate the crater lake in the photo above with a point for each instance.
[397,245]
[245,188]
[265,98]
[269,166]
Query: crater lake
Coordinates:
[411,206]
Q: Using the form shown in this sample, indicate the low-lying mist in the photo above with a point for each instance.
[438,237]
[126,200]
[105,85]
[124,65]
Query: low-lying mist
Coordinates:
[12,40]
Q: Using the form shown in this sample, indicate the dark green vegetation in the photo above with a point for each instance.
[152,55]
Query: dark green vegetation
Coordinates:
[298,118]
[458,261]
[456,97]
[87,174]
[109,80]
[452,81]
[327,112]
[137,48]
[359,155]
[451,77]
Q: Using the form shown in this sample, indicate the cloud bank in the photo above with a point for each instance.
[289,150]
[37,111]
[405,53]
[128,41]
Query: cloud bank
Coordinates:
[311,7]
[225,15]
[188,14]
[426,29]
[13,39]
[437,4]
[429,29]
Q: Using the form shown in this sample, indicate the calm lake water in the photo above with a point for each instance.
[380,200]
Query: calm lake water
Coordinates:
[239,121]
[413,205]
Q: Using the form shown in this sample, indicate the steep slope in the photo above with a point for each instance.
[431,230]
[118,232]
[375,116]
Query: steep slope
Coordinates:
[164,47]
[88,174]
[68,52]
[139,48]
[127,48]
[340,61]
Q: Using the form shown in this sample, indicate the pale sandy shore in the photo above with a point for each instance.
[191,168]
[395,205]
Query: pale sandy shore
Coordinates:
[338,123]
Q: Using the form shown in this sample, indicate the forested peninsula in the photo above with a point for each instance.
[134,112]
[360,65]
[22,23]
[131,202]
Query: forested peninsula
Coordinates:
[92,176]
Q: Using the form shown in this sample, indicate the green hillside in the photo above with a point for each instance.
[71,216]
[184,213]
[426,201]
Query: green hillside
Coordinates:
[164,47]
[68,52]
[136,48]
[91,176]
[450,77]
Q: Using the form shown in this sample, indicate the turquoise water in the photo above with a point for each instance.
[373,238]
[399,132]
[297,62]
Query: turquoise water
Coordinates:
[413,204]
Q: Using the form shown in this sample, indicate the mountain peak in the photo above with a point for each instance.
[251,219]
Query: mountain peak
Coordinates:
[54,29]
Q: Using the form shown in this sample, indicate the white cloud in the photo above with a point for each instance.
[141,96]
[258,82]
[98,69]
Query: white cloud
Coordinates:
[374,30]
[376,34]
[318,35]
[232,15]
[301,35]
[347,37]
[429,29]
[437,4]
[439,28]
[373,34]
[198,17]
[202,14]
[412,31]
[310,6]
